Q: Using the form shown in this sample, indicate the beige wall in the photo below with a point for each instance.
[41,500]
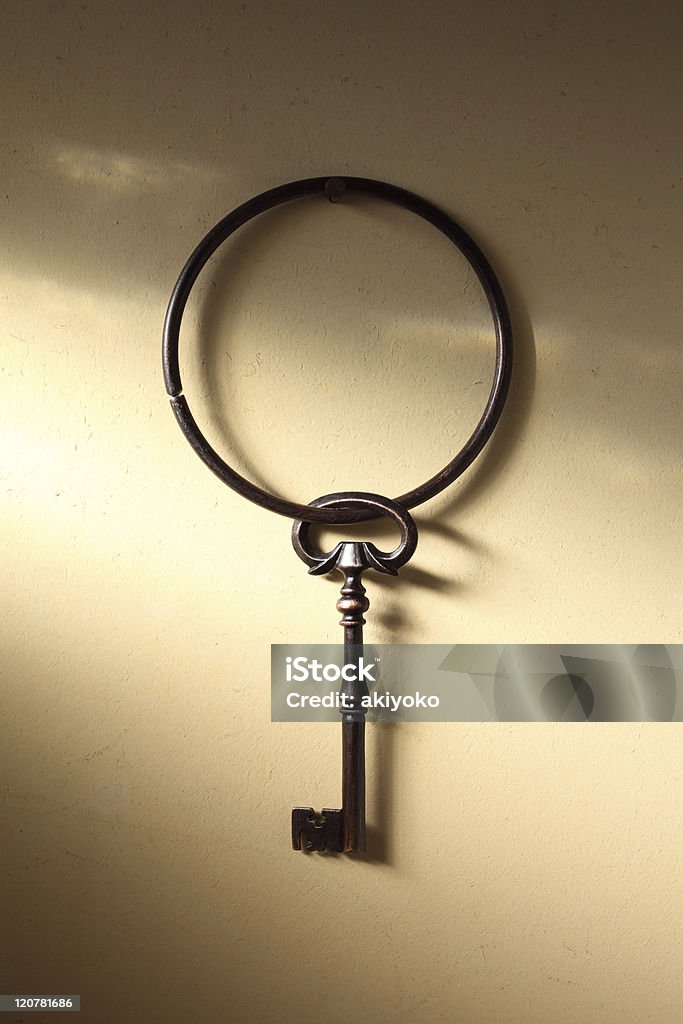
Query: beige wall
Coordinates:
[521,873]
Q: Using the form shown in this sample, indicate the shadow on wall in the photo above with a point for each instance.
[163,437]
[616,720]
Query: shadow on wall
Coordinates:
[408,335]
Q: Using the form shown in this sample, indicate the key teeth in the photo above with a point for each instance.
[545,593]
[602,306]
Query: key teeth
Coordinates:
[313,832]
[300,817]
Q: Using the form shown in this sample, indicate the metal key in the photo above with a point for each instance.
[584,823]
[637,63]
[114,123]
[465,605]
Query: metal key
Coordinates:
[343,831]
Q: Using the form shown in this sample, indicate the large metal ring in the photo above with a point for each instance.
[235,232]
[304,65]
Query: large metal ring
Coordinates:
[333,188]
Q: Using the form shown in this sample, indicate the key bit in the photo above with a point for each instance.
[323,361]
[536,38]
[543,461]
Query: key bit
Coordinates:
[317,832]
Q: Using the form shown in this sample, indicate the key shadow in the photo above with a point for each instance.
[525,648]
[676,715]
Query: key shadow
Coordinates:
[381,796]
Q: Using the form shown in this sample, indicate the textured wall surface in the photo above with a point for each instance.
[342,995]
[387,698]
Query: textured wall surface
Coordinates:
[525,873]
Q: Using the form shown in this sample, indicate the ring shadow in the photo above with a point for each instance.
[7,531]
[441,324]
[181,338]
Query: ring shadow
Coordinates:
[214,322]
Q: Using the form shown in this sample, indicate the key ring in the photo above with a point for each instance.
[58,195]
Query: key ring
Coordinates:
[334,188]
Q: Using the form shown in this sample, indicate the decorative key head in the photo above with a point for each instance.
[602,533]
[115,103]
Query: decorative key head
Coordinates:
[353,557]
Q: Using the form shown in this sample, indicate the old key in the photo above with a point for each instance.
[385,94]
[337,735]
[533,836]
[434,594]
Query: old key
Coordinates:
[344,829]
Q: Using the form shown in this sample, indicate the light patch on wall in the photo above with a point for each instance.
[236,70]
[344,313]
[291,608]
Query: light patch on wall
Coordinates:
[125,172]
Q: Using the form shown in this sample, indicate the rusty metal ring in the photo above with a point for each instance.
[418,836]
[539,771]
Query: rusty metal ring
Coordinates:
[334,188]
